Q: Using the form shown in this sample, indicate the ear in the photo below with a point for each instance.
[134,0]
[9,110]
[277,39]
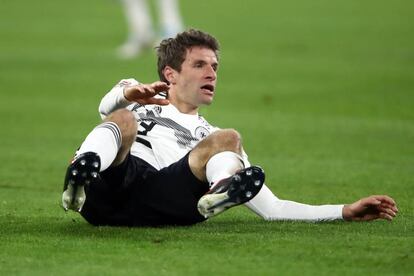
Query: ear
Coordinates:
[170,74]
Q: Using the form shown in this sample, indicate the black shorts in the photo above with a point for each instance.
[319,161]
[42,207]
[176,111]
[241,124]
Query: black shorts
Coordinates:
[136,194]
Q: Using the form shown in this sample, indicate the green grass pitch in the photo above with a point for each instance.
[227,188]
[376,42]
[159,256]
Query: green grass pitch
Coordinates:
[322,92]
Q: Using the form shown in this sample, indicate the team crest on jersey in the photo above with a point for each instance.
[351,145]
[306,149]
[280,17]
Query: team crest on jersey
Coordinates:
[158,109]
[201,132]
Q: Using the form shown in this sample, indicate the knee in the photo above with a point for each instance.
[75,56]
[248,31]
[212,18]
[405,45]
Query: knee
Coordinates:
[125,120]
[219,141]
[227,139]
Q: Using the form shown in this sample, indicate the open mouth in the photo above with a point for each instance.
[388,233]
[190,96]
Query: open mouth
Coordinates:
[208,87]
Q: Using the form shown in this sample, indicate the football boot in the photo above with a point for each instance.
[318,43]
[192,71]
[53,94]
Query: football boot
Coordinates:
[82,171]
[232,191]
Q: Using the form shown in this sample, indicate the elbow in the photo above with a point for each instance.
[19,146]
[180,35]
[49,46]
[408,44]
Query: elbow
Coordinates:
[102,113]
[102,110]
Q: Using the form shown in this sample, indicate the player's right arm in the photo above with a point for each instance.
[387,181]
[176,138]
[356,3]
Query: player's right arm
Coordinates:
[129,91]
[145,93]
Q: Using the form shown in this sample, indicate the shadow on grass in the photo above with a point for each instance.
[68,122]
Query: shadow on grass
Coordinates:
[75,226]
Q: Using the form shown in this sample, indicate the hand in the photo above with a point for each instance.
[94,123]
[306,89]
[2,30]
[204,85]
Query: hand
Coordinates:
[144,93]
[371,208]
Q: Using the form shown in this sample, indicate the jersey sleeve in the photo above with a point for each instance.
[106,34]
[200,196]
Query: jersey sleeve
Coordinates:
[115,98]
[270,207]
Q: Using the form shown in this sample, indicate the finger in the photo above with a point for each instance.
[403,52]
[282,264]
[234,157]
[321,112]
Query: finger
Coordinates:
[385,216]
[160,86]
[372,200]
[158,101]
[149,90]
[387,211]
[140,91]
[392,207]
[385,198]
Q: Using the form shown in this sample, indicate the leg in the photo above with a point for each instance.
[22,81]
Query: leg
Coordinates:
[217,159]
[140,34]
[128,126]
[107,145]
[170,18]
[221,141]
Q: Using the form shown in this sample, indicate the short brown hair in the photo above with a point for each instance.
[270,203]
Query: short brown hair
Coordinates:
[172,51]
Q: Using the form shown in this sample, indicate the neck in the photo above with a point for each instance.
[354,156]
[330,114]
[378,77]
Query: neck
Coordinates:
[182,105]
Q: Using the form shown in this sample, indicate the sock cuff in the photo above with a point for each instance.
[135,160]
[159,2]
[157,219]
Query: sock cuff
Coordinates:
[223,165]
[114,128]
[226,154]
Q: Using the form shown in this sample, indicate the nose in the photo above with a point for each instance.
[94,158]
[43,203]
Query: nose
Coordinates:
[211,74]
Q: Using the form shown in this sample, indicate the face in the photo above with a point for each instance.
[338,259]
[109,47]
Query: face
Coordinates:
[195,84]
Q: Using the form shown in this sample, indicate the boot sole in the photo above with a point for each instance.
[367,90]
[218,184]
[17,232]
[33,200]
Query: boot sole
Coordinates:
[244,186]
[80,173]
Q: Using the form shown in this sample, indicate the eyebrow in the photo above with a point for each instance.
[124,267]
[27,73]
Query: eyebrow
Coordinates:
[204,62]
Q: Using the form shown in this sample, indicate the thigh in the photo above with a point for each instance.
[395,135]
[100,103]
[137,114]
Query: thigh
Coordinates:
[170,196]
[108,200]
[136,194]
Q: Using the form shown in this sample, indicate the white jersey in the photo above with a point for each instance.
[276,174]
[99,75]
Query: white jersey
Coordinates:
[165,135]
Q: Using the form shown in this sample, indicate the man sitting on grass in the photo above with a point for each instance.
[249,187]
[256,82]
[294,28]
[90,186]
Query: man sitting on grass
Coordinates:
[155,161]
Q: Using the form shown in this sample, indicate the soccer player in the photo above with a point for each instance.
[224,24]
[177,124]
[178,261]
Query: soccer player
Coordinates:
[141,33]
[155,161]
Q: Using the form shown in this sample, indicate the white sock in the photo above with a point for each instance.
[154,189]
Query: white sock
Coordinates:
[105,140]
[223,165]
